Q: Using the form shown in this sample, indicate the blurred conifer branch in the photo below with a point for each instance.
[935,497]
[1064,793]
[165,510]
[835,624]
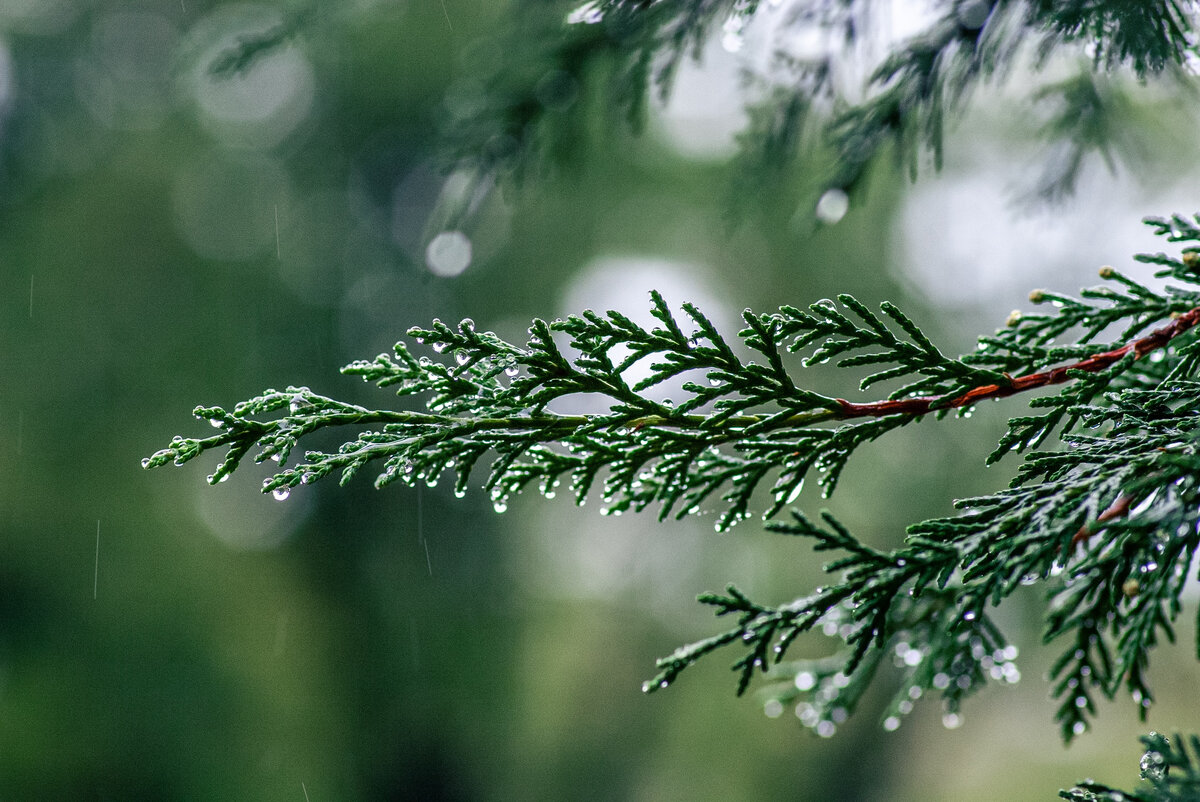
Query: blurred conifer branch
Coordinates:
[532,109]
[562,65]
[1110,523]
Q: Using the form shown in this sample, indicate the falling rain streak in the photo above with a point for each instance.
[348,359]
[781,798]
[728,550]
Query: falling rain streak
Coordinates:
[96,570]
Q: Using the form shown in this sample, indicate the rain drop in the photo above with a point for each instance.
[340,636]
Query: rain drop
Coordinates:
[832,206]
[448,254]
[1153,766]
[952,721]
[281,493]
[891,723]
[805,681]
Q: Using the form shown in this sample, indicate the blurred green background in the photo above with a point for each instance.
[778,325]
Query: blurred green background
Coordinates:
[170,238]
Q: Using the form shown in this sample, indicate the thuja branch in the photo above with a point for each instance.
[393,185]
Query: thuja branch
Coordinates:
[743,422]
[740,423]
[921,406]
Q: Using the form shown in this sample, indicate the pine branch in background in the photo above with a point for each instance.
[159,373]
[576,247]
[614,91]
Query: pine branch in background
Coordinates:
[1110,523]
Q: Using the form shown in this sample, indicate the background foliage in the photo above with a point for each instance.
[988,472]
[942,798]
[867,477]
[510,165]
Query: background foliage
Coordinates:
[172,236]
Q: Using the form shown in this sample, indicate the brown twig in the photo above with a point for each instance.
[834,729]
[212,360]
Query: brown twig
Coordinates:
[1118,509]
[924,404]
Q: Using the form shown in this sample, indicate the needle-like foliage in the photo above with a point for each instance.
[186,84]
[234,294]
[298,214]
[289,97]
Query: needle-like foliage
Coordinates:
[1169,771]
[616,54]
[1109,522]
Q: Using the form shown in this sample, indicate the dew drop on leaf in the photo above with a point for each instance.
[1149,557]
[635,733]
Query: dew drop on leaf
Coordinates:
[1153,766]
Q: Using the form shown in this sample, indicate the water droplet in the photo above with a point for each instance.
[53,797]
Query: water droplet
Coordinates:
[826,729]
[146,462]
[281,493]
[448,254]
[499,506]
[952,721]
[969,615]
[1153,766]
[439,347]
[1081,702]
[805,681]
[1029,579]
[891,723]
[461,357]
[773,708]
[1079,727]
[832,206]
[511,370]
[941,681]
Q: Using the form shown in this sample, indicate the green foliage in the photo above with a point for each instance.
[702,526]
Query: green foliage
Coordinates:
[528,111]
[1109,523]
[1169,771]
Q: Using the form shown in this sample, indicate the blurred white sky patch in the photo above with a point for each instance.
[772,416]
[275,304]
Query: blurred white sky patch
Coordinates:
[706,110]
[260,105]
[964,241]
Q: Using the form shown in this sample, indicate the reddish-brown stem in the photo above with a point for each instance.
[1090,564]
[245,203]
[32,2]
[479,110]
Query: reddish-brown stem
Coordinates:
[924,404]
[1118,509]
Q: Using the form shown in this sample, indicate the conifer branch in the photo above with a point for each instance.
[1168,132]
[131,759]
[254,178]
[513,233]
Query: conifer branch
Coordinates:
[743,422]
